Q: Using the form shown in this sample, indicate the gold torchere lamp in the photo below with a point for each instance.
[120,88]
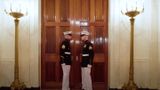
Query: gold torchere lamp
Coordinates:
[16,84]
[131,85]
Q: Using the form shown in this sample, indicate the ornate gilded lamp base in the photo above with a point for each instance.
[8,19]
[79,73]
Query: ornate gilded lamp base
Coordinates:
[17,85]
[130,86]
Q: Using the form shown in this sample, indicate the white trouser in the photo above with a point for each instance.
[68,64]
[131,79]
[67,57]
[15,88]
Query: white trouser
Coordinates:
[86,78]
[66,71]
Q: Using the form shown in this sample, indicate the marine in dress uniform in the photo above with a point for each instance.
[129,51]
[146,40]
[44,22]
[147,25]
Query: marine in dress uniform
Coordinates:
[65,59]
[87,61]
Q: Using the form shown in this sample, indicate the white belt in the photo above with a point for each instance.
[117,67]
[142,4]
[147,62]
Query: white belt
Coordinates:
[67,52]
[85,54]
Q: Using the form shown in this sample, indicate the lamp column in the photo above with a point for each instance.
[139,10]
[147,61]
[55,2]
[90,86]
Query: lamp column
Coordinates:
[16,84]
[131,84]
[131,72]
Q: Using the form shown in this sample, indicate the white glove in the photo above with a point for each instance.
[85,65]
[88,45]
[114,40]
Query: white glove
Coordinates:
[63,64]
[89,65]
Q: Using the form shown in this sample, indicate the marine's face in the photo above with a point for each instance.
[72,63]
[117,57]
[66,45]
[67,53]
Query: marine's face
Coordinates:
[69,37]
[84,38]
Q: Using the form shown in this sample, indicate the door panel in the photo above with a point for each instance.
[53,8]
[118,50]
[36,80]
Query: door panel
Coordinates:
[85,9]
[49,10]
[99,10]
[98,72]
[61,15]
[64,11]
[99,39]
[50,46]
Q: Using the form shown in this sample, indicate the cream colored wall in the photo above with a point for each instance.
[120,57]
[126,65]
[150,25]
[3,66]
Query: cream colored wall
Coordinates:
[29,42]
[147,42]
[147,50]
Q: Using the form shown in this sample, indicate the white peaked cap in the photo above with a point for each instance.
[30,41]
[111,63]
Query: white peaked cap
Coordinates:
[67,32]
[84,32]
